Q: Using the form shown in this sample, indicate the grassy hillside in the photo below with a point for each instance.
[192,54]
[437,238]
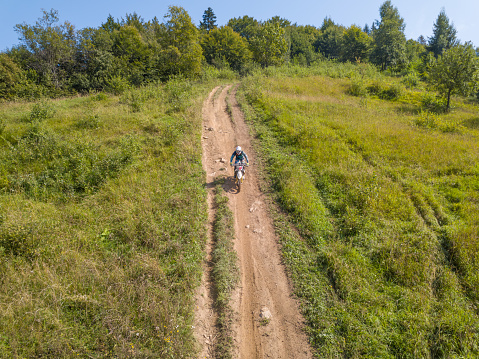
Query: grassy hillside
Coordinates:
[102,224]
[384,196]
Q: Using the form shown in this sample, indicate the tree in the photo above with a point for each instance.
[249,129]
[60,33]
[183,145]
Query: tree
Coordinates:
[52,46]
[10,75]
[414,53]
[180,51]
[444,35]
[209,20]
[422,40]
[223,44]
[456,71]
[269,45]
[330,40]
[356,44]
[246,26]
[389,41]
[301,44]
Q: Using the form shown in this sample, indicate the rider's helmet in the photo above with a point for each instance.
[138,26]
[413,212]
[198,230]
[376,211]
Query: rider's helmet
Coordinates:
[238,150]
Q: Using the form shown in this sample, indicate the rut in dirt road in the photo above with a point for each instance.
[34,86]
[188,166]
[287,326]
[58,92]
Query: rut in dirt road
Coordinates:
[264,286]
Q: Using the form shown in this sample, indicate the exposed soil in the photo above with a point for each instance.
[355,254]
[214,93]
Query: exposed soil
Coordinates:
[263,284]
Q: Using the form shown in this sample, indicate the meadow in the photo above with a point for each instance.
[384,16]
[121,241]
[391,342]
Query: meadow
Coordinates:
[377,195]
[102,223]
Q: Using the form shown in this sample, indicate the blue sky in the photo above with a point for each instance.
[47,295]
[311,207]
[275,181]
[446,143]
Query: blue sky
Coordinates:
[419,15]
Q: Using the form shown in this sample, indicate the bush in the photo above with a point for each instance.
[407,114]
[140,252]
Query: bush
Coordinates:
[411,80]
[432,121]
[90,122]
[178,91]
[41,111]
[433,103]
[117,85]
[17,240]
[358,88]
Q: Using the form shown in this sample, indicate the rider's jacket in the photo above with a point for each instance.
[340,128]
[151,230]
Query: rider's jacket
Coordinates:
[242,156]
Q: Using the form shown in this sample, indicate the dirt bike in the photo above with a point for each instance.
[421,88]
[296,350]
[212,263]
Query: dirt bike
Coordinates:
[239,173]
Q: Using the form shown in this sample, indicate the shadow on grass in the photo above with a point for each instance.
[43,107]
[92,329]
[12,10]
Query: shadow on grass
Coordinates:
[472,123]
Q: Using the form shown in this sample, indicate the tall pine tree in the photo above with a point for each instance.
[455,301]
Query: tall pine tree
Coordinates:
[389,41]
[444,35]
[209,20]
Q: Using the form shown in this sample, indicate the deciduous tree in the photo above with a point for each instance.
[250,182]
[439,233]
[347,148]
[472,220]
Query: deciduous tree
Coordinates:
[456,71]
[269,45]
[246,26]
[356,44]
[223,44]
[180,52]
[52,45]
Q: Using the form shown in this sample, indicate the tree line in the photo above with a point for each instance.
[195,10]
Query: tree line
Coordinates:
[54,58]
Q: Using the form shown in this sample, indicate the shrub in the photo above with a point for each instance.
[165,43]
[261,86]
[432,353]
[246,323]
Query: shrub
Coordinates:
[433,121]
[358,88]
[90,122]
[178,91]
[17,240]
[433,103]
[411,80]
[117,85]
[41,111]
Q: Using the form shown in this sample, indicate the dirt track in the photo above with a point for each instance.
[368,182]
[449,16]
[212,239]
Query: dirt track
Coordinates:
[263,283]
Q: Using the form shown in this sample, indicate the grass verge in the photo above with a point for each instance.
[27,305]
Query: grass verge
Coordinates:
[225,272]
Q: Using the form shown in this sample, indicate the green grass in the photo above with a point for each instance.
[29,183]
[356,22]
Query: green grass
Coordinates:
[102,224]
[225,273]
[384,257]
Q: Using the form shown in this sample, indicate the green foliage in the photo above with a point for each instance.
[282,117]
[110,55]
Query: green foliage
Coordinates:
[356,45]
[432,103]
[330,40]
[411,80]
[302,39]
[10,75]
[389,41]
[225,272]
[444,35]
[225,44]
[378,87]
[178,92]
[51,46]
[245,26]
[209,20]
[182,52]
[117,85]
[433,121]
[41,111]
[268,45]
[17,240]
[456,71]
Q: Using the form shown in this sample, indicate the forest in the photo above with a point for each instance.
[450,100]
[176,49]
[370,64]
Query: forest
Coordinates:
[55,59]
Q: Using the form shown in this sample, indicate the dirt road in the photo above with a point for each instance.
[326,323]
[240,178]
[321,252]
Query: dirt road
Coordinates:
[264,285]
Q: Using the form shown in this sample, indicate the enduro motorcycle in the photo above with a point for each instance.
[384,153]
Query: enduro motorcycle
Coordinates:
[239,173]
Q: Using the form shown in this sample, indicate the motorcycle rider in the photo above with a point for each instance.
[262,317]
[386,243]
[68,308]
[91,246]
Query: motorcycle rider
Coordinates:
[240,157]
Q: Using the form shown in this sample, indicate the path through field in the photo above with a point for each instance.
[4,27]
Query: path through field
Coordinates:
[263,284]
